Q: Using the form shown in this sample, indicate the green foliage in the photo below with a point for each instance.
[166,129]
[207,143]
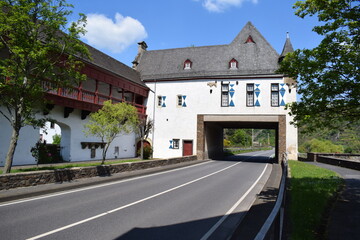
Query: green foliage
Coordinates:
[227,143]
[311,189]
[241,137]
[45,153]
[57,139]
[348,136]
[321,146]
[36,44]
[147,152]
[328,75]
[110,121]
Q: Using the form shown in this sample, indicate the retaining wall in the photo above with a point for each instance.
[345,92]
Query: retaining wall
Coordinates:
[342,160]
[15,180]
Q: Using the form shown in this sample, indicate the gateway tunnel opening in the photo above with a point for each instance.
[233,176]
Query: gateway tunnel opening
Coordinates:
[242,140]
[210,132]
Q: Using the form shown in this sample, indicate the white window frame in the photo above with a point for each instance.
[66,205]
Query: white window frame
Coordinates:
[275,97]
[225,94]
[250,95]
[233,64]
[176,143]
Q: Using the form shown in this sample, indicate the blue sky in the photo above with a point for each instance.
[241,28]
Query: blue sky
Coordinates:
[115,26]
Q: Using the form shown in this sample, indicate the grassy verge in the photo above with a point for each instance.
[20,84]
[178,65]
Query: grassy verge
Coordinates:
[68,165]
[229,152]
[312,190]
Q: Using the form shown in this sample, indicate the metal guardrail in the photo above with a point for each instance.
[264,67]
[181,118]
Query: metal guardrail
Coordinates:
[273,226]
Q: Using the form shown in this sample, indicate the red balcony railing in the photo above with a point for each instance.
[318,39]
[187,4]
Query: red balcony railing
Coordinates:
[90,97]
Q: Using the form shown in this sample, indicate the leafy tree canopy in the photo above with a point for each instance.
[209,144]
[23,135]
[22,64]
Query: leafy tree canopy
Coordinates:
[36,44]
[110,121]
[328,75]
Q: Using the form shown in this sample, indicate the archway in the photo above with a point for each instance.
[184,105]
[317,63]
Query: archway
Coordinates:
[210,131]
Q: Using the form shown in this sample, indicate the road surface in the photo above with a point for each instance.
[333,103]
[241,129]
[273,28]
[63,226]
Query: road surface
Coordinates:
[203,201]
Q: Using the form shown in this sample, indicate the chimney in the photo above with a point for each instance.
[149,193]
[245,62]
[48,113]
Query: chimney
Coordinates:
[141,49]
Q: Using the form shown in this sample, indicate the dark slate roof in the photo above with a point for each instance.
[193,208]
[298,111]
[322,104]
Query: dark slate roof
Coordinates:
[255,57]
[287,47]
[112,65]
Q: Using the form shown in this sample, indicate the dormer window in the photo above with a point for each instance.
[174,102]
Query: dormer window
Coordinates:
[187,64]
[233,64]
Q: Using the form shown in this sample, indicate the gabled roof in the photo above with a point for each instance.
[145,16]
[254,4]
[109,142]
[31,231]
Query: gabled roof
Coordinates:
[112,65]
[254,54]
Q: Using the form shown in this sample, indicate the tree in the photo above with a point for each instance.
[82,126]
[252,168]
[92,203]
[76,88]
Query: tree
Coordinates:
[110,121]
[241,137]
[56,139]
[35,45]
[145,129]
[328,75]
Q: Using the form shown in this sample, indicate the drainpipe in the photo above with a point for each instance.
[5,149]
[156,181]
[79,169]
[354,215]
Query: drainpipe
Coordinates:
[154,102]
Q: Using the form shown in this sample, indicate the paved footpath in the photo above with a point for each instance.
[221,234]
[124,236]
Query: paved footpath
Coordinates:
[345,217]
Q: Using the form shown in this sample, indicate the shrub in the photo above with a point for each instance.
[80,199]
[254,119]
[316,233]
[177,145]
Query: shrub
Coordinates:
[322,146]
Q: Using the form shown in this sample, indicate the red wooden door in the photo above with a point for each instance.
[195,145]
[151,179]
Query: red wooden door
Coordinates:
[187,147]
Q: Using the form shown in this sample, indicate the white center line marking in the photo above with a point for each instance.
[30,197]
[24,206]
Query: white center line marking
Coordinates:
[128,205]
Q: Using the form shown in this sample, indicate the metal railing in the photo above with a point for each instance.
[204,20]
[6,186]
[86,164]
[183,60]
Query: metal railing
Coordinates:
[273,226]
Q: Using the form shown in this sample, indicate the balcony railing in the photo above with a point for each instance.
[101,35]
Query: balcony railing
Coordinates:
[87,96]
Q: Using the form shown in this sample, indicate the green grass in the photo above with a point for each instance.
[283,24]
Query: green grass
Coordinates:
[68,165]
[312,189]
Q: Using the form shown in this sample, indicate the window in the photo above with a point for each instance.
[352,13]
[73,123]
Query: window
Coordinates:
[179,100]
[250,95]
[159,104]
[224,94]
[274,94]
[52,125]
[187,64]
[176,143]
[233,64]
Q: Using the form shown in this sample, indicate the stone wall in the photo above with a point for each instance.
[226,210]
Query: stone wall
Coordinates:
[15,180]
[342,160]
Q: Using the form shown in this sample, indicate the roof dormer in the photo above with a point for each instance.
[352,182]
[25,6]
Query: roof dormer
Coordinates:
[233,64]
[187,64]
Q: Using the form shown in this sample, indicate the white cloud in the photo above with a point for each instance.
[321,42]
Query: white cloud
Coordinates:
[222,5]
[115,36]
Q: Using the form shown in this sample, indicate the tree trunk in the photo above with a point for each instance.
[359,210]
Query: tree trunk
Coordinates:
[11,151]
[142,149]
[104,153]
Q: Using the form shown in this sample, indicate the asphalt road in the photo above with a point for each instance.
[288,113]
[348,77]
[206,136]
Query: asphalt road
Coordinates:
[203,201]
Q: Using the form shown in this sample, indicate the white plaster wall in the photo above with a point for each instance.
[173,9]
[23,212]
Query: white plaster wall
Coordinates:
[174,122]
[72,136]
[27,139]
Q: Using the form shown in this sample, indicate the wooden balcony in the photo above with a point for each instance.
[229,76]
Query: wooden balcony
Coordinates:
[85,100]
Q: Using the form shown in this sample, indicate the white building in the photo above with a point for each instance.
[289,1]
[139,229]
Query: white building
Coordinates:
[191,94]
[233,85]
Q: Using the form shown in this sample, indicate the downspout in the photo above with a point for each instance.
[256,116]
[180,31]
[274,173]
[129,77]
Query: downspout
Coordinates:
[154,102]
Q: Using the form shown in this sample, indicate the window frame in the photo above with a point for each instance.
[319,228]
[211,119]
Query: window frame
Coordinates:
[187,64]
[225,93]
[250,93]
[179,101]
[233,64]
[275,92]
[159,101]
[176,143]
